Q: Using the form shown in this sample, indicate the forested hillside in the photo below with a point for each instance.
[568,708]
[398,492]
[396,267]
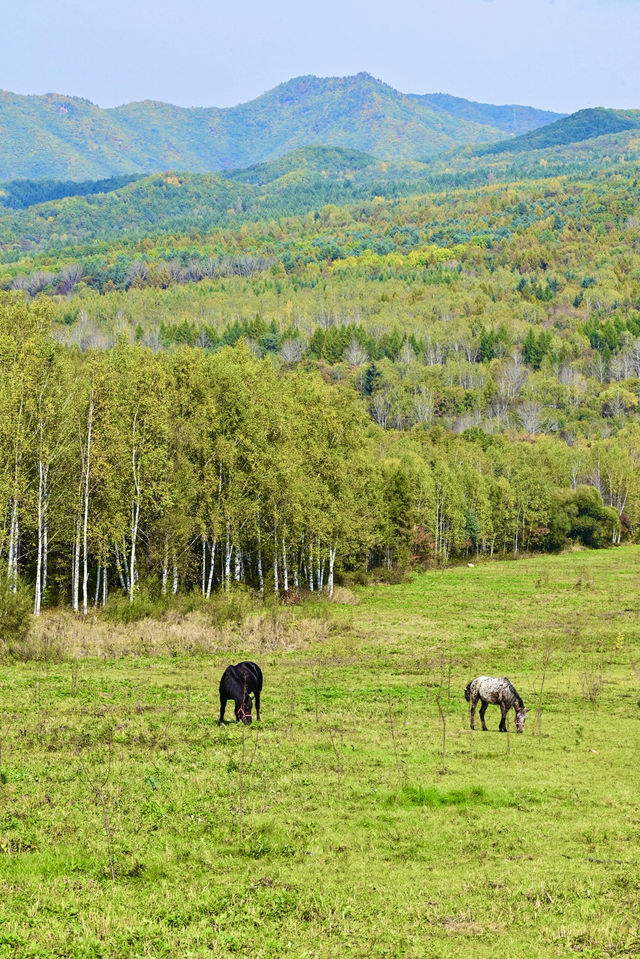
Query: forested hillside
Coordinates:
[191,469]
[77,217]
[21,194]
[583,125]
[318,367]
[69,138]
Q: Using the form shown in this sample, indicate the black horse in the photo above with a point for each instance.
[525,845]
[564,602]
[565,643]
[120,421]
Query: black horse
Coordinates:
[237,683]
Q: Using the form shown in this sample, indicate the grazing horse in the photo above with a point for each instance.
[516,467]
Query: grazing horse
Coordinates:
[237,683]
[500,692]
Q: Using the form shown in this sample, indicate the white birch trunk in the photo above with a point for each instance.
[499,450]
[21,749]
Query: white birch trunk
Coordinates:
[318,577]
[332,559]
[14,536]
[85,525]
[132,577]
[260,573]
[204,565]
[45,535]
[119,569]
[285,571]
[12,571]
[105,588]
[125,564]
[211,569]
[16,551]
[135,511]
[227,562]
[98,578]
[38,590]
[73,569]
[310,570]
[237,567]
[275,558]
[174,588]
[76,567]
[10,552]
[165,565]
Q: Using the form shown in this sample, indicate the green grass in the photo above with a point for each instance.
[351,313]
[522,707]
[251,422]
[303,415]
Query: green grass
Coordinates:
[524,845]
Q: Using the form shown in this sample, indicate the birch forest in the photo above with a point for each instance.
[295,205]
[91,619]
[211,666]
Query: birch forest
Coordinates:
[127,470]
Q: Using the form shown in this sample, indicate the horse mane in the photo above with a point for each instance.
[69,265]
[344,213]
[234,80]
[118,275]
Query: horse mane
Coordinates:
[516,695]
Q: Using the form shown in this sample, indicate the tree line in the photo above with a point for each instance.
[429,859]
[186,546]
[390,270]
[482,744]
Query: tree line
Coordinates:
[126,470]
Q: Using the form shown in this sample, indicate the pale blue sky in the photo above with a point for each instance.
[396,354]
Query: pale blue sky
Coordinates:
[558,54]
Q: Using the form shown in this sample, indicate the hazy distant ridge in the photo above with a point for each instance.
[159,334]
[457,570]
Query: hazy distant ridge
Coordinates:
[576,128]
[55,136]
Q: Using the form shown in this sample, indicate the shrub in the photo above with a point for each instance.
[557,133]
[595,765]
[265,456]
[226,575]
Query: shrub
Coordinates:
[581,516]
[15,616]
[120,609]
[360,578]
[149,603]
[234,606]
[392,577]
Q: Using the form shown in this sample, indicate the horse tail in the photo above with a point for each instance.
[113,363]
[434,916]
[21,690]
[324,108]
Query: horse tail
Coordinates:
[467,692]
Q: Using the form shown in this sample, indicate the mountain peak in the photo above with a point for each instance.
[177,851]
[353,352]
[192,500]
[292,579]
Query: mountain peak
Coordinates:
[77,140]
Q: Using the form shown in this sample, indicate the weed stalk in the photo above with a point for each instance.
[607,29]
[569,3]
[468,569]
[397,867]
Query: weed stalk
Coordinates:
[315,684]
[97,787]
[545,663]
[443,720]
[292,712]
[395,744]
[338,761]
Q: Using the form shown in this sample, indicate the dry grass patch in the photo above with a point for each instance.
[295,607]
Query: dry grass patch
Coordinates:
[344,597]
[60,635]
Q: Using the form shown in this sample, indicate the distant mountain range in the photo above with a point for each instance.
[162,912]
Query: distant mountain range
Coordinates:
[60,137]
[37,216]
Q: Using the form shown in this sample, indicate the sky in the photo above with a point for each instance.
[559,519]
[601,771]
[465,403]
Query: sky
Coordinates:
[556,54]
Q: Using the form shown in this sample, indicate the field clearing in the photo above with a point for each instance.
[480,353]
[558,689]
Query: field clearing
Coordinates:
[340,833]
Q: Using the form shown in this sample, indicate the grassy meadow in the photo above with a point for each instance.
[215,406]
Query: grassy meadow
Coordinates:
[361,817]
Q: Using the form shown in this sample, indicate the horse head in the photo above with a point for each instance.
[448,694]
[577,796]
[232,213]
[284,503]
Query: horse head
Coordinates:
[521,715]
[243,711]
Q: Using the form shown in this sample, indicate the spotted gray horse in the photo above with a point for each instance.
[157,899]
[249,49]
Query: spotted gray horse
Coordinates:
[499,691]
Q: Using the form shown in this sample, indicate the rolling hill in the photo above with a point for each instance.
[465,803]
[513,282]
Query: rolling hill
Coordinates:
[66,214]
[576,128]
[44,216]
[59,137]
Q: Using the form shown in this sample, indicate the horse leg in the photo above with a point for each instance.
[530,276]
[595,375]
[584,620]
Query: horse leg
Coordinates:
[257,699]
[483,710]
[503,721]
[474,703]
[223,706]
